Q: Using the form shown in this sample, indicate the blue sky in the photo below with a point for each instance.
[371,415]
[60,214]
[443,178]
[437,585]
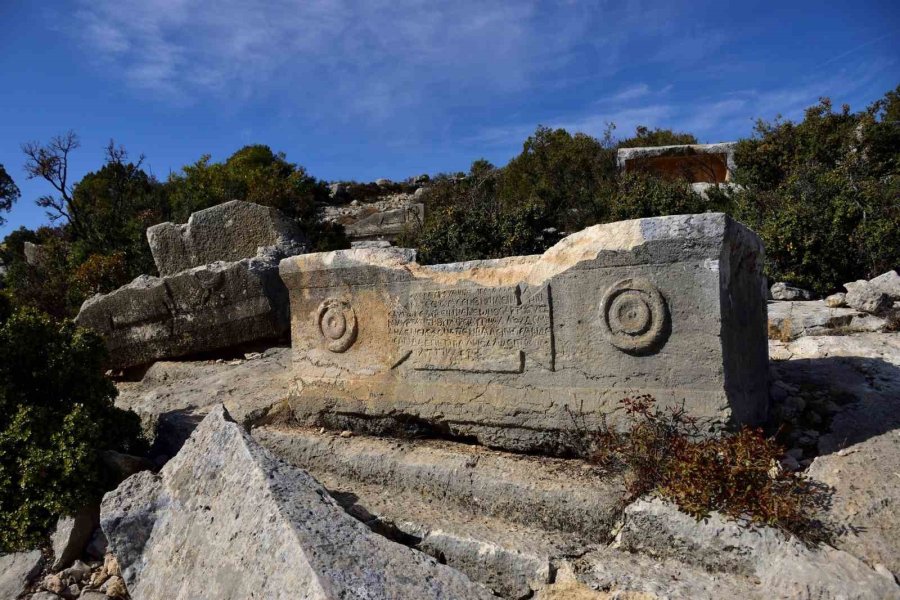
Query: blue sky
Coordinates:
[393,88]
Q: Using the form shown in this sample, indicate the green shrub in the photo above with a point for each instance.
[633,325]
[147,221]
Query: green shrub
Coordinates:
[253,173]
[642,195]
[56,415]
[822,194]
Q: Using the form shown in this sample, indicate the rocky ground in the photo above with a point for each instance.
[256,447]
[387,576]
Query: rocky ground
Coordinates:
[520,526]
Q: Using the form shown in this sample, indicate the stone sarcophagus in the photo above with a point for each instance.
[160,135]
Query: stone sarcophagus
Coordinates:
[525,353]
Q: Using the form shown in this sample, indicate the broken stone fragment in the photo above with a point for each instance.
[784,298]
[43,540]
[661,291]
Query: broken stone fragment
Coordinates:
[224,506]
[215,306]
[864,296]
[836,300]
[227,232]
[783,291]
[72,535]
[17,570]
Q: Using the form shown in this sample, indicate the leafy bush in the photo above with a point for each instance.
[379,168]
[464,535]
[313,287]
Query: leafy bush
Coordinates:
[559,183]
[467,220]
[646,137]
[56,416]
[253,173]
[99,274]
[736,474]
[822,193]
[642,194]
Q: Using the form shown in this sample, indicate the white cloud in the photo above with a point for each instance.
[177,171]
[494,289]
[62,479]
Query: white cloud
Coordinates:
[706,117]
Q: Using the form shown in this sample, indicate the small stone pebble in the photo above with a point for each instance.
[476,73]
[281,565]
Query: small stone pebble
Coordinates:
[52,583]
[346,433]
[115,587]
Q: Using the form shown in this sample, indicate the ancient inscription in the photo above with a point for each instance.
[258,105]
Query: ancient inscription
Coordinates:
[475,329]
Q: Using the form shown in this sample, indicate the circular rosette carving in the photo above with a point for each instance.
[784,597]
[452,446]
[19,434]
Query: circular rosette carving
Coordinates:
[337,324]
[634,317]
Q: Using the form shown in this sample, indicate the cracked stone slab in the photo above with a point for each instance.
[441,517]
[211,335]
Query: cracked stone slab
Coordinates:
[519,353]
[226,232]
[550,493]
[502,519]
[225,519]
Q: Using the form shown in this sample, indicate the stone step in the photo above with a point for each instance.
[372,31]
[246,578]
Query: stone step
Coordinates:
[504,520]
[547,493]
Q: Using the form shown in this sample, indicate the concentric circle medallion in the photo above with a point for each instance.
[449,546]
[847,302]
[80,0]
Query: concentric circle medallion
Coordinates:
[633,316]
[337,324]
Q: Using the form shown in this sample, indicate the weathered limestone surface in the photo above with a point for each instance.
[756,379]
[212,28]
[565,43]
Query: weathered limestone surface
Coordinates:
[174,396]
[206,308]
[227,232]
[866,501]
[782,566]
[226,520]
[502,519]
[387,224]
[516,351]
[17,570]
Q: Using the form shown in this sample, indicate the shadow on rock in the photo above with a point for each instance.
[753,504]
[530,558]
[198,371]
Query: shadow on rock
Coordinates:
[826,404]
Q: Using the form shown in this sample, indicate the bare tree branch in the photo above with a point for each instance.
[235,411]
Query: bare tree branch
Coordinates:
[50,162]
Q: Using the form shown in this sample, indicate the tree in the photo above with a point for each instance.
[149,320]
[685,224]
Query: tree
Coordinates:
[116,205]
[646,137]
[822,193]
[569,178]
[9,193]
[50,162]
[253,173]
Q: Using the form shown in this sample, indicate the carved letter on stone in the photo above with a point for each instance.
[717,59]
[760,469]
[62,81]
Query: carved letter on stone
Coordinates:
[337,324]
[475,329]
[634,317]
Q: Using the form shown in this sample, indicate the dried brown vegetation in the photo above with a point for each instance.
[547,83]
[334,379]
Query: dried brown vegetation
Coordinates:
[736,473]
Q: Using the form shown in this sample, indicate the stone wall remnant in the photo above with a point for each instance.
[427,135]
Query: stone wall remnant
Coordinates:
[522,352]
[387,225]
[698,163]
[228,232]
[220,287]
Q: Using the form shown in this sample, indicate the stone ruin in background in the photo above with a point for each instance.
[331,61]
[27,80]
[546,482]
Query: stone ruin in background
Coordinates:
[502,350]
[703,165]
[219,287]
[382,217]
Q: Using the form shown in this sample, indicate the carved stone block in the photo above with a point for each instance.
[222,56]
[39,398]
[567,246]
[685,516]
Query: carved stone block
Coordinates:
[524,353]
